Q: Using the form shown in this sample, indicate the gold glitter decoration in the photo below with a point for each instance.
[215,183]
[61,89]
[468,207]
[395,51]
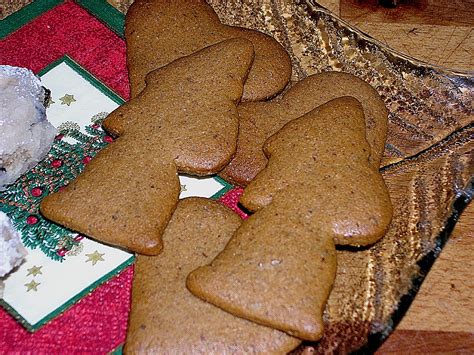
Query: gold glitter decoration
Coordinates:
[76,250]
[99,117]
[50,102]
[68,126]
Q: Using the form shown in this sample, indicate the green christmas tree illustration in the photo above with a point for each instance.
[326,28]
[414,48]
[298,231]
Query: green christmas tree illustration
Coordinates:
[62,164]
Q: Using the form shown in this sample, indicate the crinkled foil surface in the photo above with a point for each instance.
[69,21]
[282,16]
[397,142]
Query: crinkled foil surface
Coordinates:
[428,163]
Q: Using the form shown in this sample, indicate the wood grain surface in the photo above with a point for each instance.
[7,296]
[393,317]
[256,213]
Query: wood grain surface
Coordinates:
[441,318]
[430,12]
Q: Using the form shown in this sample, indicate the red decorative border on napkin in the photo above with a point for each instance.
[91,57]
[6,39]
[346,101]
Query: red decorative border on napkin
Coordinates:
[96,324]
[69,29]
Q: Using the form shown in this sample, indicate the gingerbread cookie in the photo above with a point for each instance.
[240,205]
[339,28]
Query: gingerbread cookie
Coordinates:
[184,121]
[160,31]
[166,318]
[259,120]
[333,157]
[318,187]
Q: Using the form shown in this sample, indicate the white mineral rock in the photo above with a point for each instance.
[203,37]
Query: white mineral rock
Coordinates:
[25,134]
[12,251]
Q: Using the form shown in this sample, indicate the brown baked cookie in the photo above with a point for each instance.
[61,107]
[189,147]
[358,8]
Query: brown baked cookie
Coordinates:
[277,270]
[326,151]
[160,31]
[259,120]
[318,187]
[185,120]
[166,318]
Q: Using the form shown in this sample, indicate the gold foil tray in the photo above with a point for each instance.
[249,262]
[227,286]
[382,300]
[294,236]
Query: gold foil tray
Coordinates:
[428,163]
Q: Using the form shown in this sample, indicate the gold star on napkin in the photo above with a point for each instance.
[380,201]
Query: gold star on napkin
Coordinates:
[35,270]
[67,99]
[50,102]
[32,286]
[95,257]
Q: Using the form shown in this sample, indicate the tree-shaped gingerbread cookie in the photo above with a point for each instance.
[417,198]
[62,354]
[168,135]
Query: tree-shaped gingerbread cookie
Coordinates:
[184,121]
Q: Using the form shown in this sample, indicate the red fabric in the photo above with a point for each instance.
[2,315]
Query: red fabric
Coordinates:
[69,29]
[231,199]
[97,324]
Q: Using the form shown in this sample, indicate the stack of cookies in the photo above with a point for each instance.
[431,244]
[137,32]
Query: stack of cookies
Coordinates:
[204,101]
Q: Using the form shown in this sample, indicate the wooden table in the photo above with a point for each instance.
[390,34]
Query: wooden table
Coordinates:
[441,319]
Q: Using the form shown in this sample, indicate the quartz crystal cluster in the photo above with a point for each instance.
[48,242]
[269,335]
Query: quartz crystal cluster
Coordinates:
[25,134]
[12,251]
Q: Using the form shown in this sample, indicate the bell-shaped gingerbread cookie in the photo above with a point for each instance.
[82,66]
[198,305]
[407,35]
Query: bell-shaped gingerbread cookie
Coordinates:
[318,187]
[160,31]
[184,121]
[166,318]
